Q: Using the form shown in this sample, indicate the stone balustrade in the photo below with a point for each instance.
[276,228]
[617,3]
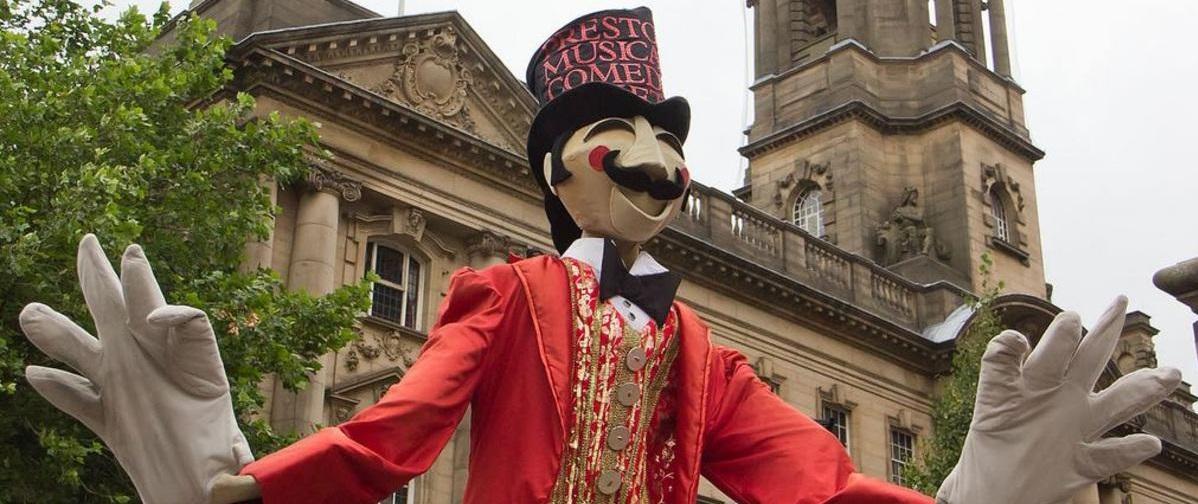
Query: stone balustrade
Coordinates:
[723,221]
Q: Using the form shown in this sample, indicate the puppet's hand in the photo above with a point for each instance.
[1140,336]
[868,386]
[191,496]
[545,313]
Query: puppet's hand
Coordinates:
[152,387]
[1036,436]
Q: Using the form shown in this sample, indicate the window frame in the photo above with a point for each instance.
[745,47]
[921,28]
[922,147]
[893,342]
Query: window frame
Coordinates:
[417,311]
[845,433]
[998,213]
[895,466]
[409,491]
[800,204]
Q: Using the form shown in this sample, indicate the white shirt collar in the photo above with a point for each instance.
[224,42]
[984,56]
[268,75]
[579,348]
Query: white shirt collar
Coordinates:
[590,250]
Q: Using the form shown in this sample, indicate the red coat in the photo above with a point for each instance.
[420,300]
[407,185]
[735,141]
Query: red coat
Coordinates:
[501,345]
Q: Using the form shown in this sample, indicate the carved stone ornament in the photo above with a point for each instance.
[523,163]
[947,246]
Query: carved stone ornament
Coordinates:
[488,244]
[390,344]
[902,420]
[905,234]
[833,395]
[322,178]
[431,78]
[408,221]
[818,174]
[996,175]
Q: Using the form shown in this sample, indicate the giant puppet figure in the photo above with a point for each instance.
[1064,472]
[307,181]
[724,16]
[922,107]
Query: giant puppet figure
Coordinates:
[588,382]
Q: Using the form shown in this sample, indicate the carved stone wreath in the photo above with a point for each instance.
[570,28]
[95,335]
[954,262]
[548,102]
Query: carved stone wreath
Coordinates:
[390,344]
[432,79]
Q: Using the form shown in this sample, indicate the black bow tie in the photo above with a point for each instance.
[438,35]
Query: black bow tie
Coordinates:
[652,293]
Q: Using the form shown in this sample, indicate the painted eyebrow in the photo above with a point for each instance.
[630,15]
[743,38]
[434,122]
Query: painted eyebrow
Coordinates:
[607,124]
[671,139]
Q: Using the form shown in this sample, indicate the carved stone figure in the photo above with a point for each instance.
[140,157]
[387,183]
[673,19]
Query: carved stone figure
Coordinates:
[905,234]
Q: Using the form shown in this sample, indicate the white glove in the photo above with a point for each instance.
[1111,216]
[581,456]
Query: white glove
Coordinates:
[152,387]
[1036,436]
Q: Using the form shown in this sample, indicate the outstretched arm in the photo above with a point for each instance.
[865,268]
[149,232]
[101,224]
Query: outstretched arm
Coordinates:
[399,437]
[761,450]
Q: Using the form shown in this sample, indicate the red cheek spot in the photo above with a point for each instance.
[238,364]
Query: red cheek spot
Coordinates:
[686,175]
[596,157]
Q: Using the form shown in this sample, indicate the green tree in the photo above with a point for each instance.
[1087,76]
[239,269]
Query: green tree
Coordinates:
[100,134]
[952,411]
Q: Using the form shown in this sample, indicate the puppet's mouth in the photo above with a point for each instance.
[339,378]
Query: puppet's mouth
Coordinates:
[637,180]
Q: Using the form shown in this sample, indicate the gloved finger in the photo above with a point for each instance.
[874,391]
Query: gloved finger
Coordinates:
[242,453]
[1050,359]
[1105,458]
[1001,370]
[73,394]
[142,296]
[101,288]
[1095,350]
[60,338]
[1129,396]
[192,356]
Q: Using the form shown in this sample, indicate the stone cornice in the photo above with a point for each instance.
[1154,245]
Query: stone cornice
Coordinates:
[850,44]
[268,72]
[354,41]
[858,110]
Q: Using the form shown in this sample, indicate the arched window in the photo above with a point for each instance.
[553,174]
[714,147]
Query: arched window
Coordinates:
[808,212]
[998,212]
[396,295]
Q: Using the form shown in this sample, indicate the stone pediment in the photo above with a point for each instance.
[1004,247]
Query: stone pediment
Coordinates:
[434,64]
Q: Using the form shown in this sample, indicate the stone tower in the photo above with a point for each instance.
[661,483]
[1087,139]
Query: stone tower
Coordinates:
[893,128]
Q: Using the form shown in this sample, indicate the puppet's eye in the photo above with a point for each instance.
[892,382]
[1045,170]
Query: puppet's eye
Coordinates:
[671,140]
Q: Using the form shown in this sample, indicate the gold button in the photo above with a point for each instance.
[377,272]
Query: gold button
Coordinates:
[635,360]
[618,437]
[628,393]
[609,482]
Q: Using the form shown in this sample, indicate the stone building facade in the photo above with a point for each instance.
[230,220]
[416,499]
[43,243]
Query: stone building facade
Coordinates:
[888,153]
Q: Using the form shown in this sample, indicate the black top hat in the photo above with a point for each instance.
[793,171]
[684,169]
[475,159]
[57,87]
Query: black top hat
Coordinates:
[603,64]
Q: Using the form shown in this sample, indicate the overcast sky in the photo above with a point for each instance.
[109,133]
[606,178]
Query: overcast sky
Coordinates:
[1110,98]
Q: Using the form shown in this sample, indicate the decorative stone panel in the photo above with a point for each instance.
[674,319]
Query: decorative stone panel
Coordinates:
[432,78]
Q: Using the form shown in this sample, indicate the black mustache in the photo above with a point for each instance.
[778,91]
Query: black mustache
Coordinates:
[635,180]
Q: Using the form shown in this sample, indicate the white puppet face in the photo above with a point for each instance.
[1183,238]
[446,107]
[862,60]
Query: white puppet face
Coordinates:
[626,178]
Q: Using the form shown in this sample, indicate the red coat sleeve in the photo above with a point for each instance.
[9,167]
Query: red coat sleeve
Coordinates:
[760,450]
[390,442]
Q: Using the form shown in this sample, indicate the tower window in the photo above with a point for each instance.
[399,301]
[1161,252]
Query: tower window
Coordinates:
[836,419]
[902,448]
[808,212]
[998,212]
[396,295]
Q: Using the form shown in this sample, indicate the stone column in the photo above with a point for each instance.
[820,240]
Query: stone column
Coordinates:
[851,16]
[312,270]
[763,36]
[979,33]
[946,20]
[998,38]
[259,252]
[782,48]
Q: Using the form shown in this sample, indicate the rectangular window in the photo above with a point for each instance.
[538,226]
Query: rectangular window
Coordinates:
[902,448]
[396,294]
[402,496]
[836,419]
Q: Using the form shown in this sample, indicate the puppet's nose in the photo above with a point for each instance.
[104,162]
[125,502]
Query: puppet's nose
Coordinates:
[644,155]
